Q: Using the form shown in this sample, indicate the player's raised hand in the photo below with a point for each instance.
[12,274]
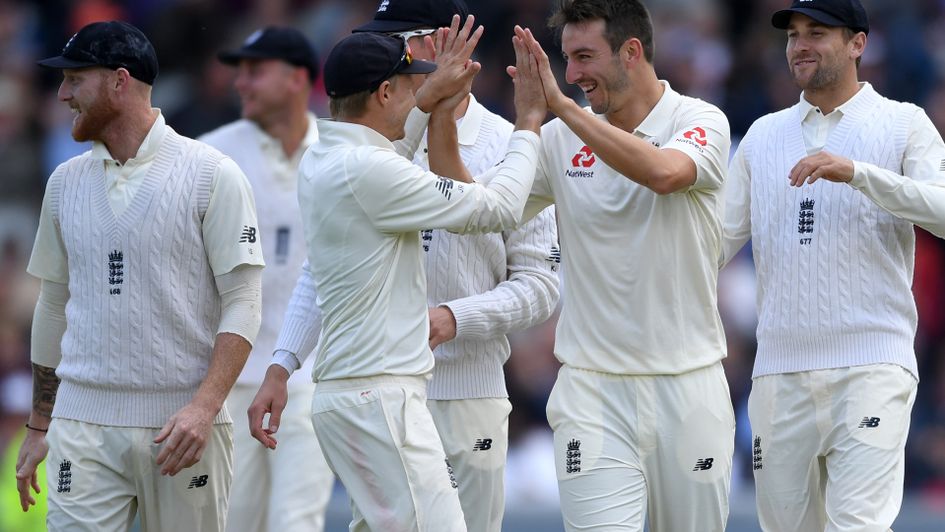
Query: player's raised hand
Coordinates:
[32,452]
[455,69]
[271,399]
[553,95]
[530,106]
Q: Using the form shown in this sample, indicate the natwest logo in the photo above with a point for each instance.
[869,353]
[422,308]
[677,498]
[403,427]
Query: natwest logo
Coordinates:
[697,135]
[584,158]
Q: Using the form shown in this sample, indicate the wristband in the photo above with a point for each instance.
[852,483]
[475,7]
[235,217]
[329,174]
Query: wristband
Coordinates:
[36,429]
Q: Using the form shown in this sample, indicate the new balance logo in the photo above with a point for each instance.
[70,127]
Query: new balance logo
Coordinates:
[869,423]
[248,235]
[449,470]
[482,444]
[197,482]
[941,167]
[65,477]
[756,454]
[445,186]
[554,258]
[572,459]
[703,464]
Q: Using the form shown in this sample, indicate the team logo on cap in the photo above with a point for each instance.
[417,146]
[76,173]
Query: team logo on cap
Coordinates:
[253,38]
[383,6]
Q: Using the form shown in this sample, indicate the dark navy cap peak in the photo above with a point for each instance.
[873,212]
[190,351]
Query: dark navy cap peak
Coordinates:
[362,61]
[288,44]
[113,44]
[403,15]
[838,13]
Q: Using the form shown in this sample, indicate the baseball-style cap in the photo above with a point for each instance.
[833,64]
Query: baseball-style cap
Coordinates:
[842,13]
[113,44]
[362,61]
[287,44]
[402,15]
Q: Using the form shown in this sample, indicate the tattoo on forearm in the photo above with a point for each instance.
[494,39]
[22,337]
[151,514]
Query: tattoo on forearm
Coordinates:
[45,386]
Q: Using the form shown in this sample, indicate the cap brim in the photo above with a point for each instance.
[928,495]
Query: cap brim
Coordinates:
[64,62]
[387,26]
[418,66]
[782,19]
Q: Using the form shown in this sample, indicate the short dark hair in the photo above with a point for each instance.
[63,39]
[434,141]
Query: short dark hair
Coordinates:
[623,19]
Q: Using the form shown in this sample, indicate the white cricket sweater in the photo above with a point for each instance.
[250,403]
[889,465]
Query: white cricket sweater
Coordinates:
[143,306]
[834,269]
[273,177]
[494,283]
[363,207]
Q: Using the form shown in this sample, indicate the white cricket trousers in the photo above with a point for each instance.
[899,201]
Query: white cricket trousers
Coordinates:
[379,439]
[281,490]
[829,447]
[99,477]
[475,436]
[632,448]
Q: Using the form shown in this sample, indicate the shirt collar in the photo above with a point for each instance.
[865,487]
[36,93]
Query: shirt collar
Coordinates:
[806,108]
[149,146]
[334,133]
[468,129]
[271,143]
[661,114]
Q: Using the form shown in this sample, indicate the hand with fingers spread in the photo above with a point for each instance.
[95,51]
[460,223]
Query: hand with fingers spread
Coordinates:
[821,165]
[271,399]
[185,436]
[455,68]
[552,92]
[530,105]
[32,452]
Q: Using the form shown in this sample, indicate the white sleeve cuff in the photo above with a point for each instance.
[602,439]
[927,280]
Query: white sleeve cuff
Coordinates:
[285,359]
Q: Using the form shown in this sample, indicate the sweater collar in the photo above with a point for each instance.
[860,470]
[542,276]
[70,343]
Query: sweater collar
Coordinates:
[149,146]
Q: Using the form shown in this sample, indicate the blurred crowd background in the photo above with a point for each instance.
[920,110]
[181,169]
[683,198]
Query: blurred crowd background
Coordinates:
[725,52]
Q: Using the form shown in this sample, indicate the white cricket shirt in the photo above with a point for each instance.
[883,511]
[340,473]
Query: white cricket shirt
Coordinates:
[640,295]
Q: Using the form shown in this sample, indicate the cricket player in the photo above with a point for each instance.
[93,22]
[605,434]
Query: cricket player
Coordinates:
[276,67]
[828,190]
[150,260]
[479,287]
[641,413]
[363,207]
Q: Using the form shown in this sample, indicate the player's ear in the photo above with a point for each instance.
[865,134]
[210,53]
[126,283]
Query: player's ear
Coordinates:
[383,93]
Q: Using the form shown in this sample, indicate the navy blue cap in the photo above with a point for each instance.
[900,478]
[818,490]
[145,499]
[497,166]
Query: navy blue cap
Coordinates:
[113,44]
[287,44]
[838,13]
[403,15]
[362,61]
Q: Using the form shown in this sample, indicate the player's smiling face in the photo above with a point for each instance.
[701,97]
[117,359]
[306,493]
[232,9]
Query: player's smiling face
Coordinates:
[593,66]
[86,92]
[819,56]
